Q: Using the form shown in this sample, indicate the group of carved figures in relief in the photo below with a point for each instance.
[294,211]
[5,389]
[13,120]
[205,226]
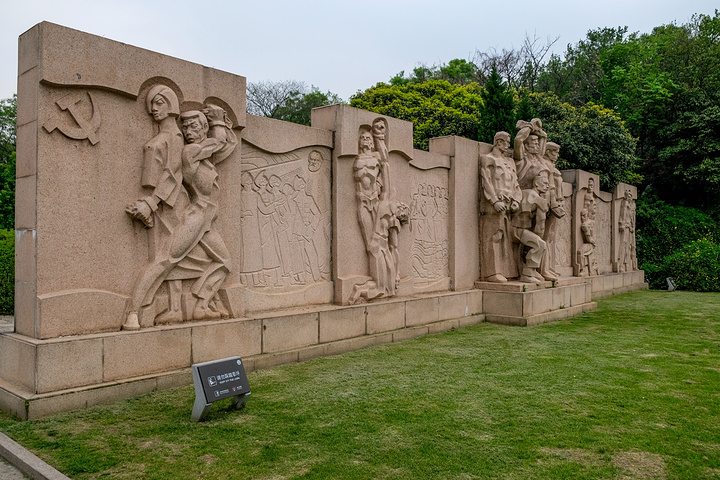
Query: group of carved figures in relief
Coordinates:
[283,219]
[520,203]
[182,209]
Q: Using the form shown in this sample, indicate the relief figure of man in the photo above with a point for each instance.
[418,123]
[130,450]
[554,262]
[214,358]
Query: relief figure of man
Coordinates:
[501,195]
[529,227]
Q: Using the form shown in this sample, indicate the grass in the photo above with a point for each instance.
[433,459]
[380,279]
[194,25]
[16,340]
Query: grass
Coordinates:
[630,391]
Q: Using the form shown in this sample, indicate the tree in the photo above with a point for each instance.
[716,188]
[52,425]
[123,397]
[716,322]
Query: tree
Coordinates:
[497,111]
[579,77]
[267,98]
[297,109]
[457,72]
[591,138]
[435,107]
[290,100]
[8,116]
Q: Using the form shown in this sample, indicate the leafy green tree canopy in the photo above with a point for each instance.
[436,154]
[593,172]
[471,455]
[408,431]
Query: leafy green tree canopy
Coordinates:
[288,100]
[591,138]
[435,107]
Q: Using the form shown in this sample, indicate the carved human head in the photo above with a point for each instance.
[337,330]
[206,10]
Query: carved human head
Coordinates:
[591,184]
[315,160]
[502,141]
[628,194]
[161,101]
[275,182]
[552,151]
[261,181]
[246,180]
[365,141]
[379,127]
[541,183]
[194,126]
[299,183]
[532,144]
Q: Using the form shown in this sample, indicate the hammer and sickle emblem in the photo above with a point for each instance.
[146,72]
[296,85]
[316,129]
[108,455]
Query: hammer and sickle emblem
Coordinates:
[86,128]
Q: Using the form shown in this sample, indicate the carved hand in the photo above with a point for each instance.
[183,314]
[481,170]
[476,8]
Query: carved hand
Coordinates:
[215,115]
[140,210]
[499,206]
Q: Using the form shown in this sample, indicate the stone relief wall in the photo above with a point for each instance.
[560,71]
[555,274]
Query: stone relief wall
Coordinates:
[285,216]
[217,213]
[157,224]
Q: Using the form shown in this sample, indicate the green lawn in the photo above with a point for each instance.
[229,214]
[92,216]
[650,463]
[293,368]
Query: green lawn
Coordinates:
[630,391]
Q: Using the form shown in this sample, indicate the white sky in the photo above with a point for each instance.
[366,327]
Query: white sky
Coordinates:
[335,45]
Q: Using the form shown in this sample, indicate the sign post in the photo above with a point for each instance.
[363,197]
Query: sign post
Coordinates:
[217,380]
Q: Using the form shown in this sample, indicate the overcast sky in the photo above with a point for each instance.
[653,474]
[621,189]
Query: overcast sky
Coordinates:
[333,44]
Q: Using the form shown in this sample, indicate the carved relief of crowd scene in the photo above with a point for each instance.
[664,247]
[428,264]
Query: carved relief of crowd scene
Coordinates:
[283,232]
[429,209]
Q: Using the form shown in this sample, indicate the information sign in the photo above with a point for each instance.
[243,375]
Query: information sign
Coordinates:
[217,380]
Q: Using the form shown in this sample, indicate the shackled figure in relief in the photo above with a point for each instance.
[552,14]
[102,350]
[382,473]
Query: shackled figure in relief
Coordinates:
[379,217]
[628,259]
[586,255]
[501,195]
[194,246]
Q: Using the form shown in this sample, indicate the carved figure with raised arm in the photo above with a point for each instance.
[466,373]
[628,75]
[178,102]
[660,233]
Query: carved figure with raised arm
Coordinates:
[379,217]
[528,152]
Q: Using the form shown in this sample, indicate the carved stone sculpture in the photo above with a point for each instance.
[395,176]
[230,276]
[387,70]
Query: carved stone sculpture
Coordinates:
[529,149]
[586,255]
[557,210]
[501,195]
[194,248]
[627,260]
[379,216]
[529,227]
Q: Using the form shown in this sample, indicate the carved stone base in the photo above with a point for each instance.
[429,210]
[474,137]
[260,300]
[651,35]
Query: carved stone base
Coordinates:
[512,286]
[43,377]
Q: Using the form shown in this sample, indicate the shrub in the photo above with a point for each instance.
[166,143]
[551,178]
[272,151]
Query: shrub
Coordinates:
[695,267]
[7,272]
[663,230]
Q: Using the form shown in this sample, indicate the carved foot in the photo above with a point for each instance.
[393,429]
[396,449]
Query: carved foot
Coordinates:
[550,277]
[497,278]
[527,279]
[131,323]
[171,316]
[203,312]
[530,275]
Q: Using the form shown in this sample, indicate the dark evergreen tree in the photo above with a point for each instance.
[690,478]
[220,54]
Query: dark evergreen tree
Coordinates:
[498,110]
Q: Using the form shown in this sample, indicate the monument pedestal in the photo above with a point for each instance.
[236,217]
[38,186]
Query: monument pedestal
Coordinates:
[528,304]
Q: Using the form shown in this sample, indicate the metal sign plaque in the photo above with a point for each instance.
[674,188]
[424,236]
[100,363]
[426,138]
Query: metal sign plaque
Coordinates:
[217,380]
